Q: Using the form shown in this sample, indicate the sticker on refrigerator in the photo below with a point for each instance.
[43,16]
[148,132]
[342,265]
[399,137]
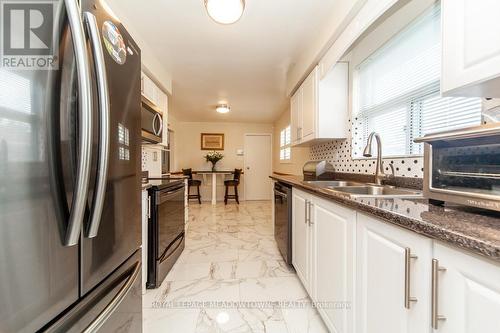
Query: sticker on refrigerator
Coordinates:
[114,43]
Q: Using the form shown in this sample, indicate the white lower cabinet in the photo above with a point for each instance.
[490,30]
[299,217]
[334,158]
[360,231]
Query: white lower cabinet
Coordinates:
[468,292]
[393,278]
[323,256]
[301,234]
[334,230]
[396,280]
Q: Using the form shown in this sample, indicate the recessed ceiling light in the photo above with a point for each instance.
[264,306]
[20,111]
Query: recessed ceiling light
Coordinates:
[225,11]
[223,108]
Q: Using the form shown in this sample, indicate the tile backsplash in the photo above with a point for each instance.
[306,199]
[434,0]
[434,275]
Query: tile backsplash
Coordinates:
[338,152]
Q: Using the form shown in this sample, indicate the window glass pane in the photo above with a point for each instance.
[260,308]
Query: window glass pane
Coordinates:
[409,62]
[449,113]
[399,92]
[391,125]
[288,139]
[287,153]
[282,138]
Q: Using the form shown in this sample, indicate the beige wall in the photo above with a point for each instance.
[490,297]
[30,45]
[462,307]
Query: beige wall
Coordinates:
[300,155]
[188,153]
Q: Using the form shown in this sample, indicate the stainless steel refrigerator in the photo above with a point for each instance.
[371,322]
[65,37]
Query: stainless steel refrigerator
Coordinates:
[70,140]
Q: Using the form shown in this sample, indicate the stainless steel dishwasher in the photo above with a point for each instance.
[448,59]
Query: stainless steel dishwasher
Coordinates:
[283,220]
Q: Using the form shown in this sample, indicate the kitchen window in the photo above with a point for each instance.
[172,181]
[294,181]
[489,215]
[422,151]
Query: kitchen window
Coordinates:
[398,92]
[285,144]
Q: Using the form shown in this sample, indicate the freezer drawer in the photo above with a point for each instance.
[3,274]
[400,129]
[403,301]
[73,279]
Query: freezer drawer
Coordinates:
[114,306]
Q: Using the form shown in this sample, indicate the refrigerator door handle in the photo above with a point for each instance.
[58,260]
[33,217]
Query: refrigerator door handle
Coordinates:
[85,124]
[104,110]
[115,302]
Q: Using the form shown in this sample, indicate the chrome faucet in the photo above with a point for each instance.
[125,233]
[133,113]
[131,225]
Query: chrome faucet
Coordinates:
[379,172]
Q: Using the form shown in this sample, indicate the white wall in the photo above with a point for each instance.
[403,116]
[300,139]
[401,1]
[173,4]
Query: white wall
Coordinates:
[150,63]
[188,153]
[312,52]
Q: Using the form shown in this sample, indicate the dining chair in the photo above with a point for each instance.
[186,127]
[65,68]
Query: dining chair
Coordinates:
[233,183]
[192,183]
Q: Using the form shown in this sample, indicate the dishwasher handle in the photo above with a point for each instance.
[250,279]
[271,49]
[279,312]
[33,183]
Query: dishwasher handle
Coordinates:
[281,194]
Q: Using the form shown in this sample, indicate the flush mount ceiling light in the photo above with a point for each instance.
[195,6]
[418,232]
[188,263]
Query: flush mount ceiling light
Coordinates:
[225,11]
[223,108]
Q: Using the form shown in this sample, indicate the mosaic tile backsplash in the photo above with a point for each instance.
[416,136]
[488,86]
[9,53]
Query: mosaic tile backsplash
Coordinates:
[338,152]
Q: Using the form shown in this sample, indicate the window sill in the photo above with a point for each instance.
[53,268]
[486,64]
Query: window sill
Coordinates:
[285,161]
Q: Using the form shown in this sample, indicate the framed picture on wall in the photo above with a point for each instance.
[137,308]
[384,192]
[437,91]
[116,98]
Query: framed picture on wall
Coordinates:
[212,141]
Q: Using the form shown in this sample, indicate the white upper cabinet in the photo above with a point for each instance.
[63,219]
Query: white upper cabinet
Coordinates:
[296,116]
[393,268]
[468,290]
[148,88]
[319,108]
[310,105]
[471,48]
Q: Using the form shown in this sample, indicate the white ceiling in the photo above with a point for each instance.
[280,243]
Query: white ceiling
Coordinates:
[244,64]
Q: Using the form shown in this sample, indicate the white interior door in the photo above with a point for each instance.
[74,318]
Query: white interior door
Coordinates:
[258,153]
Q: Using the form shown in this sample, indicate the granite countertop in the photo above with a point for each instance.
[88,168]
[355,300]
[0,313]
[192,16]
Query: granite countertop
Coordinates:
[472,229]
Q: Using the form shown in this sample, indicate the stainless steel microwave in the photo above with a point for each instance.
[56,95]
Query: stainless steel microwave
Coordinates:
[463,166]
[151,121]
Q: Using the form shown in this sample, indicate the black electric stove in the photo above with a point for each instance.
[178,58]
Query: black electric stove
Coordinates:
[166,226]
[160,183]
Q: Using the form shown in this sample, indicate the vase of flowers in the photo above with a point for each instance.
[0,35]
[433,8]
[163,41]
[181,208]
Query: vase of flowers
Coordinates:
[213,157]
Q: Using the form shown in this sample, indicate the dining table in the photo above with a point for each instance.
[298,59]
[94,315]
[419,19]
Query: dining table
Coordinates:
[213,174]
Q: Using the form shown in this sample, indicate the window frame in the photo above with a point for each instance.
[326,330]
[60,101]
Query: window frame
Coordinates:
[285,145]
[413,105]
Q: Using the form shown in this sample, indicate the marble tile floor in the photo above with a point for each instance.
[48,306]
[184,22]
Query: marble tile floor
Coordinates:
[230,278]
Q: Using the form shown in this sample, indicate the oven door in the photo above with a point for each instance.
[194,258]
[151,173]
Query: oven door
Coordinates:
[151,122]
[169,233]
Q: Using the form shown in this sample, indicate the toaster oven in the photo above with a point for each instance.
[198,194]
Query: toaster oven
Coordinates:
[463,166]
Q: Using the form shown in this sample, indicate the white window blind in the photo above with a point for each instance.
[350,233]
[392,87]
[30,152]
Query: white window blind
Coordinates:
[285,144]
[398,91]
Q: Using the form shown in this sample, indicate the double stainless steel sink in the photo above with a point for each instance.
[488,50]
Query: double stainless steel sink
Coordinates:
[359,190]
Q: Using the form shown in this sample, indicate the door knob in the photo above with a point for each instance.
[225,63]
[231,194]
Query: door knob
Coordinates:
[248,168]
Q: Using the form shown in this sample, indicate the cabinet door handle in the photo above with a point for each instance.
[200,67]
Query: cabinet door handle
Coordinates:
[306,205]
[408,298]
[309,212]
[435,294]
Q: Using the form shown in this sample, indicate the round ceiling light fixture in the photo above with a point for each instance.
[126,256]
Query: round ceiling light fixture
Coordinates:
[223,108]
[225,11]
